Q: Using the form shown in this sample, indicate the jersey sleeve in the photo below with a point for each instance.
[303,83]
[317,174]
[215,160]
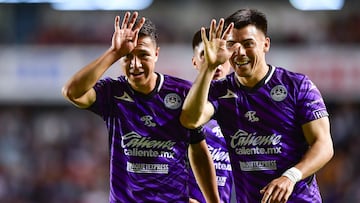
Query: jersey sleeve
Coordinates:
[103,95]
[310,103]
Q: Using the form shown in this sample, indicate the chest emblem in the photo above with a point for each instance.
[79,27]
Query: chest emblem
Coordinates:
[278,93]
[172,101]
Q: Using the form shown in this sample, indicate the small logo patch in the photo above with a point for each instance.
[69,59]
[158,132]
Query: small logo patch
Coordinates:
[172,101]
[278,93]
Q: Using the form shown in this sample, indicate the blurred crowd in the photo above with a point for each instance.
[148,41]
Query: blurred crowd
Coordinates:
[52,155]
[39,24]
[57,154]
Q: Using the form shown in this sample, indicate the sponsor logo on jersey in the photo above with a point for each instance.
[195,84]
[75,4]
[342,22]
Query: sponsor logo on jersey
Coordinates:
[258,165]
[278,93]
[319,113]
[172,101]
[148,121]
[251,116]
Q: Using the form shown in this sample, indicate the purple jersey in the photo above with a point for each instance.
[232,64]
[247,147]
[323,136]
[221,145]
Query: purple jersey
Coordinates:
[218,150]
[148,144]
[262,128]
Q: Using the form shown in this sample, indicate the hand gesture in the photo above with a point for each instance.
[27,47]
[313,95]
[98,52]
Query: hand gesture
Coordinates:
[124,39]
[215,50]
[278,190]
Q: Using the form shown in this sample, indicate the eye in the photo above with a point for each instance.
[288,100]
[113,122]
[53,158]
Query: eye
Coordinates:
[129,57]
[249,44]
[144,55]
[229,44]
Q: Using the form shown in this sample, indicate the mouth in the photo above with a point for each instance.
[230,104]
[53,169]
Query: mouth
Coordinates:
[137,75]
[241,63]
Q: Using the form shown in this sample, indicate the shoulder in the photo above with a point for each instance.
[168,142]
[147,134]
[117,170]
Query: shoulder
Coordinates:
[288,74]
[173,81]
[109,83]
[224,81]
[109,80]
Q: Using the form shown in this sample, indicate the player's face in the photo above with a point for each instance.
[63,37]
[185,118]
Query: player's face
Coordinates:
[198,59]
[139,65]
[249,59]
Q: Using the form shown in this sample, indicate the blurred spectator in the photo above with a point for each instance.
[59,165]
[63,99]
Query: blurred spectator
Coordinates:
[46,158]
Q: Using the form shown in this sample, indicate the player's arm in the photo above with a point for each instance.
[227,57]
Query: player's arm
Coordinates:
[196,109]
[317,134]
[204,170]
[79,89]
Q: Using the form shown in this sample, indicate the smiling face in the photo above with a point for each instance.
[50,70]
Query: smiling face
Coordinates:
[139,65]
[248,60]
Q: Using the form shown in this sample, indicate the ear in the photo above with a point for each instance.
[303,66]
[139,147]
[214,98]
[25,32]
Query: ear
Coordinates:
[267,44]
[157,51]
[193,62]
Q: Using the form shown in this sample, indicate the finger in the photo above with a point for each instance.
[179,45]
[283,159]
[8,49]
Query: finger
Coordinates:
[227,31]
[132,20]
[277,195]
[125,20]
[286,195]
[116,23]
[219,28]
[135,37]
[139,24]
[203,35]
[137,29]
[266,194]
[212,29]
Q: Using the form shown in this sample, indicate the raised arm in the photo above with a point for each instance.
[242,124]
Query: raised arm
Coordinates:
[197,110]
[79,88]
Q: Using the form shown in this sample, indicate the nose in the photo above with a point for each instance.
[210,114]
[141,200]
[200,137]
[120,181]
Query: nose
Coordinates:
[135,63]
[240,50]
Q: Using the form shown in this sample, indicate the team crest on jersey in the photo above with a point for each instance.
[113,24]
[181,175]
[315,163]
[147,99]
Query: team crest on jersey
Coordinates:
[278,93]
[172,101]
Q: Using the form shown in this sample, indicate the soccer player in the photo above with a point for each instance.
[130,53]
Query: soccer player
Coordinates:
[213,135]
[274,121]
[141,110]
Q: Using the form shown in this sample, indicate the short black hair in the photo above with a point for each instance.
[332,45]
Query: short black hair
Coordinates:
[197,37]
[148,29]
[244,17]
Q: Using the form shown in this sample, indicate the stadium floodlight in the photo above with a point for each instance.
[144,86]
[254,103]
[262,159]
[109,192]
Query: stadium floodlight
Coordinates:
[311,5]
[89,5]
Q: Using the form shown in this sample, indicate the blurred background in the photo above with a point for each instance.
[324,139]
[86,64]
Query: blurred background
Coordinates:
[51,152]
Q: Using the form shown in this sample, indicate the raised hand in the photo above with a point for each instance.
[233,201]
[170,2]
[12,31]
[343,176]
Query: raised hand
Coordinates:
[215,49]
[124,39]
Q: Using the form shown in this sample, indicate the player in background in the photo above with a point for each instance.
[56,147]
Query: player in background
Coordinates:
[213,135]
[275,121]
[141,110]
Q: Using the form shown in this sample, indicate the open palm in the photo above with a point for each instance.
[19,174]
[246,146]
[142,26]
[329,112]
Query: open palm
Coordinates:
[215,49]
[124,39]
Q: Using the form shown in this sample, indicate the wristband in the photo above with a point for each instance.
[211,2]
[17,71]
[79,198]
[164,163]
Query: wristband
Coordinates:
[293,174]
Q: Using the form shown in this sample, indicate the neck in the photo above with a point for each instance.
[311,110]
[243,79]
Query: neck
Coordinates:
[255,78]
